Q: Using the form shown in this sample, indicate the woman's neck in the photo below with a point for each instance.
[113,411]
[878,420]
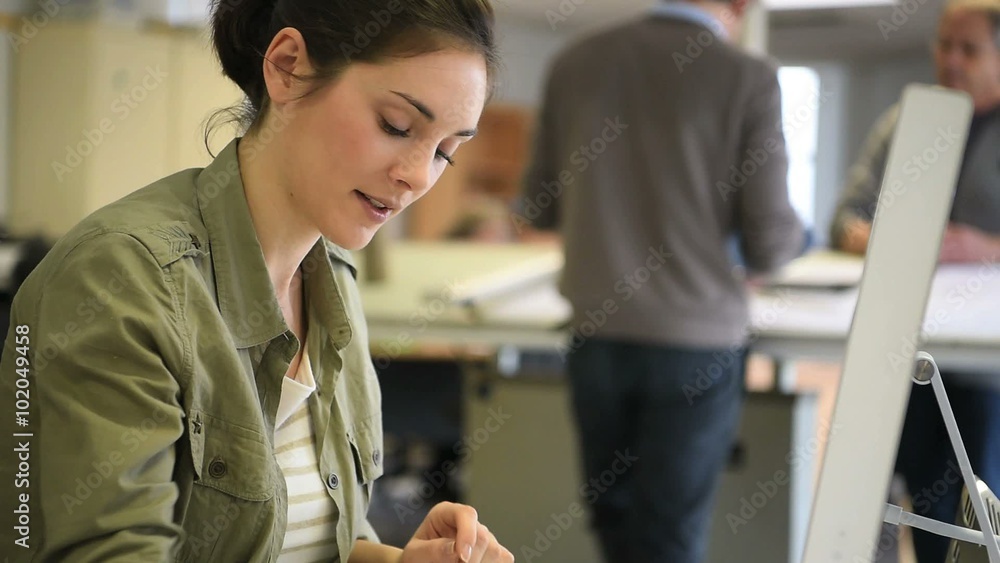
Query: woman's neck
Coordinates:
[285,236]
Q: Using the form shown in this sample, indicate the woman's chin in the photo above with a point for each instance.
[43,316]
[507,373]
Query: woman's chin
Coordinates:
[355,240]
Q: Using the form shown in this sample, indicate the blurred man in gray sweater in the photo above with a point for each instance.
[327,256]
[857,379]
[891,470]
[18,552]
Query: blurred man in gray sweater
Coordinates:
[660,142]
[967,57]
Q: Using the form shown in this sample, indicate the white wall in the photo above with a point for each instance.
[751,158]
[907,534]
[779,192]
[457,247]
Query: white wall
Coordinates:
[526,49]
[859,91]
[877,83]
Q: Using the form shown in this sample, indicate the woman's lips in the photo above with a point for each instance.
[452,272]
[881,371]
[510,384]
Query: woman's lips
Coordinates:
[377,214]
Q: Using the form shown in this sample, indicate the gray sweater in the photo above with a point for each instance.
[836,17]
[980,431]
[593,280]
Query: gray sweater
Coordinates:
[977,195]
[657,144]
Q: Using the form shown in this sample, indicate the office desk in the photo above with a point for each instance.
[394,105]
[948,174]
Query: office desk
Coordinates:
[503,299]
[961,327]
[459,294]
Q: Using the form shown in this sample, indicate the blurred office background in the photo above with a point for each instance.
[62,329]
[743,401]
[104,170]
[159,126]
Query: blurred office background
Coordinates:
[100,97]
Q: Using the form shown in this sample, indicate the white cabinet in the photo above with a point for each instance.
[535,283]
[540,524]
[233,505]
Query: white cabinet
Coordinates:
[102,109]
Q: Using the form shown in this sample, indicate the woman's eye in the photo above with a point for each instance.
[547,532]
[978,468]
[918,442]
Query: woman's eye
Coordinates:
[392,130]
[395,132]
[446,158]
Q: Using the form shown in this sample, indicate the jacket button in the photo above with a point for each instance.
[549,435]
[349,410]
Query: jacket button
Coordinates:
[217,468]
[333,481]
[377,457]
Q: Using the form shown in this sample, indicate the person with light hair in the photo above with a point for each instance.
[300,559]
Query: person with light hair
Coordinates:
[967,58]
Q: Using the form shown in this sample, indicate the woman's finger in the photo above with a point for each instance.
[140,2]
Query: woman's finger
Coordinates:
[484,539]
[464,520]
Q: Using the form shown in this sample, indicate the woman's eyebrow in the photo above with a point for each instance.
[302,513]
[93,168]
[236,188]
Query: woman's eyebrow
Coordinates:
[423,109]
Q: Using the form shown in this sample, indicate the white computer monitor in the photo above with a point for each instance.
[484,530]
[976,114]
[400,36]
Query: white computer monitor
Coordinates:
[912,212]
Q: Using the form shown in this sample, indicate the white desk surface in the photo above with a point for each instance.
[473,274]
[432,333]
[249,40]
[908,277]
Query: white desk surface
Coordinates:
[427,296]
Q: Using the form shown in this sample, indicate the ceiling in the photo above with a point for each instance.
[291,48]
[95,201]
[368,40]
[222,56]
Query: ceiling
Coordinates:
[804,33]
[817,33]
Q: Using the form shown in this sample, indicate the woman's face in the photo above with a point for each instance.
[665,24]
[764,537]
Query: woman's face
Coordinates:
[375,140]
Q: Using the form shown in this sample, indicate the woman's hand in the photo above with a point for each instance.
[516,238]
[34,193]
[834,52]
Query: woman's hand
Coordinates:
[452,533]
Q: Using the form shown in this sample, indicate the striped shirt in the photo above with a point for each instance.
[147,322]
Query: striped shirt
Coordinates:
[312,515]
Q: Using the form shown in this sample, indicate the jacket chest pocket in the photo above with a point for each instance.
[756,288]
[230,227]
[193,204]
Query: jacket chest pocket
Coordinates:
[231,513]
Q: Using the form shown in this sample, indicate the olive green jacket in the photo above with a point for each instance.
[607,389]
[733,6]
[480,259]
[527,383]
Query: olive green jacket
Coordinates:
[145,358]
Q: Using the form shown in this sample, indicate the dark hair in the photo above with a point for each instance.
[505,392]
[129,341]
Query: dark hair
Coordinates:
[338,32]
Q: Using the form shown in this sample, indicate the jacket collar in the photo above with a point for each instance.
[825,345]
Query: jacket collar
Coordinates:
[247,299]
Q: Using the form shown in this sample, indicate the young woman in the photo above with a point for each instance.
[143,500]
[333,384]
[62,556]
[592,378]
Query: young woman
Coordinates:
[192,360]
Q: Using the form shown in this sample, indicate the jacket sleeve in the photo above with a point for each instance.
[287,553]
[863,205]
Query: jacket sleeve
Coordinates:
[864,182]
[770,230]
[367,532]
[104,413]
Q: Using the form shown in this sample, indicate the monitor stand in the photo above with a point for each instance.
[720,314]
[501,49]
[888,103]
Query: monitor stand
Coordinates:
[926,373]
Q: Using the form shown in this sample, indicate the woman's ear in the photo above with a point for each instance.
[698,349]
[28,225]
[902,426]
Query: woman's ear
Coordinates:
[285,63]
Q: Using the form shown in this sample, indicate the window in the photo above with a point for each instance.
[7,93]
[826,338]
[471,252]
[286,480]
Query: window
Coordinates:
[800,101]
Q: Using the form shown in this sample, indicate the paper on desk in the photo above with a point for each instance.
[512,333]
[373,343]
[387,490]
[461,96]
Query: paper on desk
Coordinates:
[964,303]
[530,273]
[539,306]
[963,306]
[803,312]
[821,269]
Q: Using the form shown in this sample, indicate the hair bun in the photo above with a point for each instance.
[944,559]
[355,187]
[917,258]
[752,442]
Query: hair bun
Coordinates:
[241,33]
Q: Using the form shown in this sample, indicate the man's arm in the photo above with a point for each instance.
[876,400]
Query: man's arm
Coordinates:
[770,231]
[852,222]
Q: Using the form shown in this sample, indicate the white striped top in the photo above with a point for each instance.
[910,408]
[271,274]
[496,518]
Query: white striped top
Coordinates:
[312,515]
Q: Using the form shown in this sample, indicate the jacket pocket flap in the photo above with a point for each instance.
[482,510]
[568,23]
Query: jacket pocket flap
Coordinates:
[231,458]
[366,441]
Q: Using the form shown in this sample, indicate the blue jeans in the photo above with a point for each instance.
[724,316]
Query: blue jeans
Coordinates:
[656,427]
[927,461]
